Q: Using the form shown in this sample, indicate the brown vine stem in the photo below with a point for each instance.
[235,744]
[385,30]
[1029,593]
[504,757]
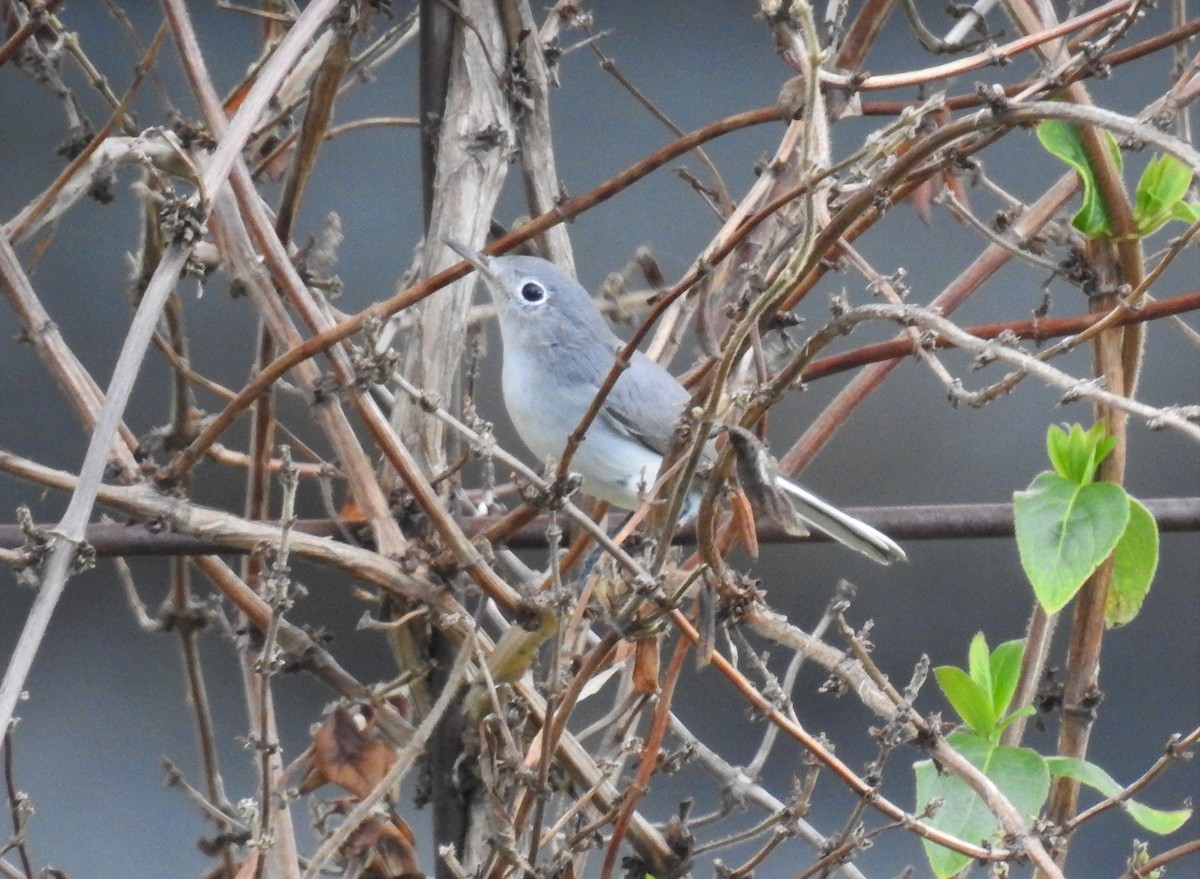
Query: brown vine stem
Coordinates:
[30,217]
[307,652]
[16,801]
[1038,329]
[863,31]
[609,66]
[1116,58]
[313,130]
[187,623]
[361,69]
[980,59]
[81,390]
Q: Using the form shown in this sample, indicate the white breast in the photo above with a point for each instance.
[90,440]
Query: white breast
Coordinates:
[614,467]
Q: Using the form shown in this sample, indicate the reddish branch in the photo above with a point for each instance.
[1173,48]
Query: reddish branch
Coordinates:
[1038,329]
[1113,59]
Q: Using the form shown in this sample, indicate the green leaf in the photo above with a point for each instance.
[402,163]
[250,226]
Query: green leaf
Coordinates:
[1075,455]
[1164,183]
[1006,670]
[979,663]
[971,701]
[1058,450]
[1160,821]
[1020,773]
[1181,210]
[1186,211]
[1064,531]
[1016,715]
[1135,559]
[1065,141]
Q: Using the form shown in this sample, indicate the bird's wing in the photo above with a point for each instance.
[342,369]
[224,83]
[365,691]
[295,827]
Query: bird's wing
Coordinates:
[646,403]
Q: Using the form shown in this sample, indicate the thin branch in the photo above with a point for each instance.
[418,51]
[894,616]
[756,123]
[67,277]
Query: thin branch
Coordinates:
[1152,866]
[1037,329]
[18,805]
[1177,418]
[982,59]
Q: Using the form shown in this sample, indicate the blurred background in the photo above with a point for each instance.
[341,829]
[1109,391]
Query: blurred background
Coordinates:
[107,698]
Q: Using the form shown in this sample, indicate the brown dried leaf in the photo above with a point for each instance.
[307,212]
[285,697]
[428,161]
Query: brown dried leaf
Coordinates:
[346,752]
[351,513]
[645,666]
[381,848]
[921,198]
[955,184]
[743,522]
[650,269]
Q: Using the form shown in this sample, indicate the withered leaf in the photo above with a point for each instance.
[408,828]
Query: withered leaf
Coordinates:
[381,848]
[743,522]
[645,666]
[346,752]
[756,473]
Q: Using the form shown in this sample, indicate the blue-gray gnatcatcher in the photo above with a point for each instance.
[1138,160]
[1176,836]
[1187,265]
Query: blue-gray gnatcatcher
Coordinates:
[558,348]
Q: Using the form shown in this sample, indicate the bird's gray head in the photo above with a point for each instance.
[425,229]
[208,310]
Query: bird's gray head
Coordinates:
[537,302]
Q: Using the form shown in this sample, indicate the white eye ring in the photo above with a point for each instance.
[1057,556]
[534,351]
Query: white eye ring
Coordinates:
[533,292]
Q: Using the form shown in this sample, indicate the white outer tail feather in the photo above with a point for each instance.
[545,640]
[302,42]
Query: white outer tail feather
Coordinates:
[843,528]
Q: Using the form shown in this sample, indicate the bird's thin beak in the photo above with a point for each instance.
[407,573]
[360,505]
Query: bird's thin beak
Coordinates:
[481,261]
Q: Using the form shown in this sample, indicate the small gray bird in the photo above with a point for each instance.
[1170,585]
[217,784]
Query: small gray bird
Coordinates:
[558,348]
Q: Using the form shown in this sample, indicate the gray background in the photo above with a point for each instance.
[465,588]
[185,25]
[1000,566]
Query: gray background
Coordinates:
[107,699]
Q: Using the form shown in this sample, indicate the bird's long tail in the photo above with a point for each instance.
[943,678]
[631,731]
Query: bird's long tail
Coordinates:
[843,528]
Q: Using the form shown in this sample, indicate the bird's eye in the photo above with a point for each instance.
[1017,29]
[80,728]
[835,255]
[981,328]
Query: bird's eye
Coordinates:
[531,291]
